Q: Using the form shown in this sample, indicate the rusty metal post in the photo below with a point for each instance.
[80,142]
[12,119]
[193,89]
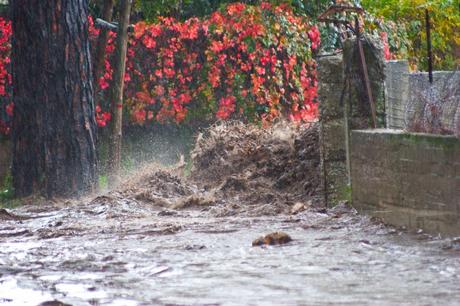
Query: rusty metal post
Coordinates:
[428,42]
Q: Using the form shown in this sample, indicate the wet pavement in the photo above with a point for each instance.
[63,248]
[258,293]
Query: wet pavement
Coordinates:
[131,253]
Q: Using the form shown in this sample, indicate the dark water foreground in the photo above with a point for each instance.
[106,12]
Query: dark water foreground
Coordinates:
[135,254]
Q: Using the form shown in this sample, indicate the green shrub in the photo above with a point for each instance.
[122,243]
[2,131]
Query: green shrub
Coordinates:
[408,17]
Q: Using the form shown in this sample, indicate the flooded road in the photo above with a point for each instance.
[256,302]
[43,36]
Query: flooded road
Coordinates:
[184,237]
[133,254]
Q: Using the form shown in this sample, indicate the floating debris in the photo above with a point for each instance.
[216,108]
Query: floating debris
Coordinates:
[275,238]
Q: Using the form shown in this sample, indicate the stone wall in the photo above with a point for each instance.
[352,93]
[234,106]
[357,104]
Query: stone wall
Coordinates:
[406,179]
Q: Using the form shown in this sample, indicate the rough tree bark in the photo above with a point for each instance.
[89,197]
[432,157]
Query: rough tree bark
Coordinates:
[54,127]
[117,91]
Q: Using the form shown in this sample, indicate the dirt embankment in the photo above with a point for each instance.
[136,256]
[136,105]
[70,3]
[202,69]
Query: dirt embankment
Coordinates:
[238,169]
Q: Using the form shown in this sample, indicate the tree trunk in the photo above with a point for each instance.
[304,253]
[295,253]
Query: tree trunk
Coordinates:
[54,128]
[101,45]
[117,92]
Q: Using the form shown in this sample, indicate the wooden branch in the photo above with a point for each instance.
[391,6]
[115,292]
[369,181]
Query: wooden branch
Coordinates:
[121,47]
[99,60]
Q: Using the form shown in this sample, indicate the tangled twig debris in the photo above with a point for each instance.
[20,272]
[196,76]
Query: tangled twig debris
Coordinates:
[239,168]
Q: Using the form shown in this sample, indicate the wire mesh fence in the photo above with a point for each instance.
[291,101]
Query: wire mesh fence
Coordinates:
[434,108]
[416,105]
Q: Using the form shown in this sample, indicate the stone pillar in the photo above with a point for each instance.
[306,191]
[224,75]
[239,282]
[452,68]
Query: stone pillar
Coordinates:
[396,93]
[332,128]
[360,111]
[343,105]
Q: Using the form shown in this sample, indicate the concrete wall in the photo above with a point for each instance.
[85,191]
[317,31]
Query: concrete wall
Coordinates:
[410,180]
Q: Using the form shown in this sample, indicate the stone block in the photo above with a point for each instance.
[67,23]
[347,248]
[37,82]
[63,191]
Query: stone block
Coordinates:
[330,106]
[330,69]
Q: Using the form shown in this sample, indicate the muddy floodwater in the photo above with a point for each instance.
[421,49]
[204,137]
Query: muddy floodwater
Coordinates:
[134,255]
[184,237]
